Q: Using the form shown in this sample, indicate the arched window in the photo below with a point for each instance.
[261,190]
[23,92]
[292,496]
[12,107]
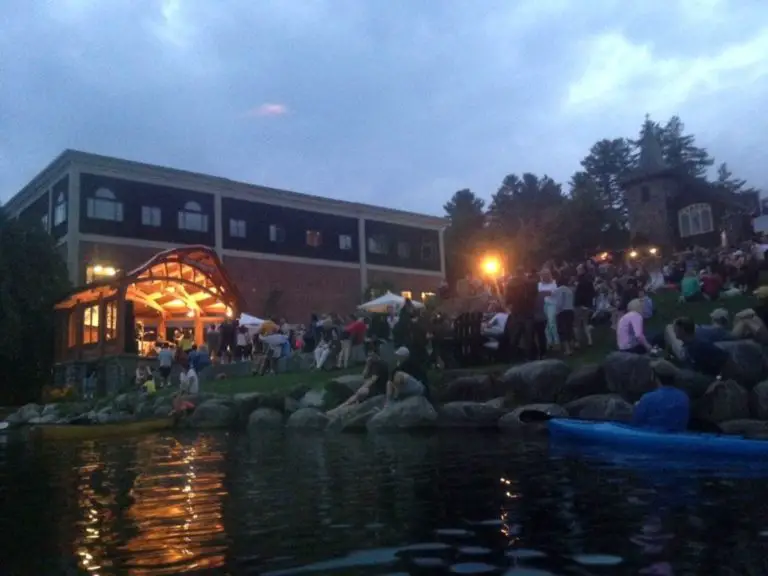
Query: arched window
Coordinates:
[192,218]
[104,206]
[695,219]
[60,209]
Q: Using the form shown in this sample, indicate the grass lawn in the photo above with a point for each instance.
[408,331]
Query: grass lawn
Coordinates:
[667,308]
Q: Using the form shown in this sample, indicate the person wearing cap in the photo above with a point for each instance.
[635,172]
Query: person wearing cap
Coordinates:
[403,386]
[718,331]
[405,363]
[665,409]
[703,356]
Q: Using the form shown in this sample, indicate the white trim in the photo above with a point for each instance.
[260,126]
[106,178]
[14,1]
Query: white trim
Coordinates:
[73,227]
[140,172]
[218,225]
[291,259]
[395,269]
[363,256]
[119,241]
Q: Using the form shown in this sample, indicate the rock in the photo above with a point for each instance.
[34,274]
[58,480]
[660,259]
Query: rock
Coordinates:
[26,413]
[600,407]
[747,428]
[409,413]
[351,381]
[297,392]
[246,403]
[584,381]
[144,409]
[500,403]
[724,400]
[469,414]
[468,388]
[264,418]
[162,410]
[290,405]
[49,418]
[336,393]
[313,399]
[354,418]
[692,383]
[308,419]
[536,382]
[50,409]
[512,420]
[749,362]
[758,401]
[126,402]
[628,375]
[213,414]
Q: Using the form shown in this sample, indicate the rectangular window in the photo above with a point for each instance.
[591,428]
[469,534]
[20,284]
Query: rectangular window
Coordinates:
[276,233]
[345,242]
[91,325]
[236,228]
[428,251]
[60,210]
[110,328]
[377,244]
[403,250]
[407,294]
[98,272]
[44,221]
[193,221]
[314,238]
[104,209]
[151,216]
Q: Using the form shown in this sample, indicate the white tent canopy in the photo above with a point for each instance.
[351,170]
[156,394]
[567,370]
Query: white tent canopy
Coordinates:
[248,320]
[383,303]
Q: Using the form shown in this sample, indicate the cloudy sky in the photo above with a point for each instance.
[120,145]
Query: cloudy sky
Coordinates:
[392,102]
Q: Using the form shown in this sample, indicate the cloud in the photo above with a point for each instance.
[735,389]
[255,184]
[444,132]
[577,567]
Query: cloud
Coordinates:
[268,110]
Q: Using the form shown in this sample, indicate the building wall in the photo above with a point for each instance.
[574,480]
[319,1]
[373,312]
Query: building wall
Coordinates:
[412,281]
[121,256]
[294,290]
[60,192]
[422,252]
[648,209]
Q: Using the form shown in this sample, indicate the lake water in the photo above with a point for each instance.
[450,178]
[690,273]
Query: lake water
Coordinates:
[446,504]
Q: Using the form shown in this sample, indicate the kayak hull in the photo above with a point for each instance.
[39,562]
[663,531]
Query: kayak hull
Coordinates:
[629,438]
[95,431]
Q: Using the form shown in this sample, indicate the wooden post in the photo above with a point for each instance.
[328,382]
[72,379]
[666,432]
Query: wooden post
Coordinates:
[120,321]
[199,332]
[102,326]
[79,324]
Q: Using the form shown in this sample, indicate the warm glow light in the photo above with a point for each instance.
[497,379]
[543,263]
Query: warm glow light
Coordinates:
[170,289]
[491,266]
[98,269]
[604,256]
[191,314]
[653,251]
[633,254]
[176,302]
[109,271]
[229,312]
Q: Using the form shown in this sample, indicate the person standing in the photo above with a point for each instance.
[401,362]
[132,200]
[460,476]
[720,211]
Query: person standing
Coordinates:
[583,306]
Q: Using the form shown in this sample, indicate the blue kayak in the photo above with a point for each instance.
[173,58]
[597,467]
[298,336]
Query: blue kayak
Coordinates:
[630,438]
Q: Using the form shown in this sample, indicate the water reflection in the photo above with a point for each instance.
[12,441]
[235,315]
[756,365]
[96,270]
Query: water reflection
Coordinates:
[285,504]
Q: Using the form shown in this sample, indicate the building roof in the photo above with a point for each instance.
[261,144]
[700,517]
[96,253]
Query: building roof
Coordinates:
[226,186]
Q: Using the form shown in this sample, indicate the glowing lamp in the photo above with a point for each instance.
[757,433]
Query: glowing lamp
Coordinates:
[229,312]
[633,254]
[109,271]
[98,269]
[653,251]
[190,314]
[491,266]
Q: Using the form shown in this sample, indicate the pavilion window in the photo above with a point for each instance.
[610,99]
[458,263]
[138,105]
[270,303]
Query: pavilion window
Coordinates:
[104,206]
[110,321]
[192,218]
[695,219]
[91,325]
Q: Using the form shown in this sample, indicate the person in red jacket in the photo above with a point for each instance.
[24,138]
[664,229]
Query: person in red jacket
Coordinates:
[353,334]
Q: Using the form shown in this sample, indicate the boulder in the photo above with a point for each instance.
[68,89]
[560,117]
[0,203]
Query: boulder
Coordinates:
[290,405]
[213,414]
[469,415]
[314,398]
[25,413]
[536,382]
[126,402]
[264,418]
[49,418]
[247,402]
[500,403]
[50,409]
[749,362]
[512,421]
[628,375]
[748,428]
[308,419]
[468,388]
[354,418]
[600,407]
[724,400]
[584,381]
[336,393]
[758,401]
[694,384]
[351,381]
[409,413]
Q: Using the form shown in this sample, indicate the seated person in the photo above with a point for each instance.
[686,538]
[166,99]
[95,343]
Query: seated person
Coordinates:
[149,387]
[711,284]
[375,377]
[494,328]
[404,386]
[647,304]
[702,356]
[666,409]
[717,331]
[690,287]
[408,365]
[188,379]
[748,324]
[321,352]
[629,330]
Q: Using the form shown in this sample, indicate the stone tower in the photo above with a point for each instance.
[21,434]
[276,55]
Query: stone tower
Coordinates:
[648,191]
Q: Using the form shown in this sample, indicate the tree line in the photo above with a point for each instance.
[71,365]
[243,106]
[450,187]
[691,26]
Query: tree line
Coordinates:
[536,218]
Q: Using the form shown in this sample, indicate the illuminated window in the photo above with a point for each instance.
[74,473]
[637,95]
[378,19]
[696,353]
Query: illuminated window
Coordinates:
[426,296]
[377,244]
[104,206]
[110,321]
[695,219]
[96,272]
[276,233]
[236,228]
[192,218]
[314,238]
[151,216]
[60,210]
[91,325]
[406,294]
[403,250]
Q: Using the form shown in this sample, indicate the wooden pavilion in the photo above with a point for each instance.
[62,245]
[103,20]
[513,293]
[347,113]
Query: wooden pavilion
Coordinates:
[184,288]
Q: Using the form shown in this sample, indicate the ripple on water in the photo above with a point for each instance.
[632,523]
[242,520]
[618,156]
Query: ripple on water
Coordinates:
[472,568]
[527,572]
[598,559]
[474,550]
[493,522]
[427,547]
[454,532]
[524,554]
[427,562]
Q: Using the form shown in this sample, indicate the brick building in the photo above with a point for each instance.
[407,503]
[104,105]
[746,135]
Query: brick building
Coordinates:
[290,254]
[673,210]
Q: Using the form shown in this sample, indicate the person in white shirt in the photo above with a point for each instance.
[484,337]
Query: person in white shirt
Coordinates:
[547,286]
[495,327]
[190,385]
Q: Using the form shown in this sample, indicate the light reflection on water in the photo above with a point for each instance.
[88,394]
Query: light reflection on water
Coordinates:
[445,504]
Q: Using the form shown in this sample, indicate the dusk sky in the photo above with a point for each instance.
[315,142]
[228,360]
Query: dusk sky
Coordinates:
[390,102]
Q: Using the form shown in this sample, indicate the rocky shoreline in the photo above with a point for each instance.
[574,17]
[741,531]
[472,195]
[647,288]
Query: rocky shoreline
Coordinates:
[605,391]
